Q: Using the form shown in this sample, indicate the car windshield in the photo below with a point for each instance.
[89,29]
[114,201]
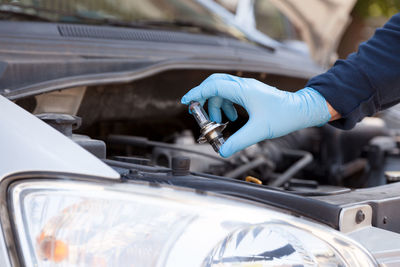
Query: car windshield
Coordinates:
[274,23]
[268,19]
[183,14]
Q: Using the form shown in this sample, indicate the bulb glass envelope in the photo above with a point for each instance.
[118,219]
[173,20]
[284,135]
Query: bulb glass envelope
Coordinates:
[71,223]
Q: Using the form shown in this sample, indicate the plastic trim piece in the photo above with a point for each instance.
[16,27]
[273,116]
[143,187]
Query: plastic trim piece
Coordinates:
[354,218]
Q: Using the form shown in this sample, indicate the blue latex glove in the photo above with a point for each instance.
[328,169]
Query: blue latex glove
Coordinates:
[272,112]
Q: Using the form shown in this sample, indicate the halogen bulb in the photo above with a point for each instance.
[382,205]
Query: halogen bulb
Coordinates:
[210,131]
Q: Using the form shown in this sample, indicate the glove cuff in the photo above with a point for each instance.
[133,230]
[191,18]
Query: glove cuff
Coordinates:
[318,111]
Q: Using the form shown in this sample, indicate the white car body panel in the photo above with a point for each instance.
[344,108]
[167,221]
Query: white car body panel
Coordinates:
[29,144]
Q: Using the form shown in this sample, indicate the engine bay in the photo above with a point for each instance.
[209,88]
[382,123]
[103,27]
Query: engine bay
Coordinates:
[145,122]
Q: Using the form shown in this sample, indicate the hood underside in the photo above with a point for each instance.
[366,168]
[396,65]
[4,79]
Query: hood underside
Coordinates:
[40,57]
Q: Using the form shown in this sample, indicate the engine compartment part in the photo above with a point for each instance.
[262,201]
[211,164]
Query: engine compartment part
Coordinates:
[61,102]
[305,159]
[66,123]
[258,162]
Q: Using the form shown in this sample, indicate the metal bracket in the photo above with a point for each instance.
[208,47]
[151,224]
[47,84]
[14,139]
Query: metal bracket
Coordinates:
[355,217]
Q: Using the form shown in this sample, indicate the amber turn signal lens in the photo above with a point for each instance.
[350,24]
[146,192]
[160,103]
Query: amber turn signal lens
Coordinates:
[52,249]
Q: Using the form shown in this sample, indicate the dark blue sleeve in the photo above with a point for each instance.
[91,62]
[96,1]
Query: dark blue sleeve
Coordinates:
[367,81]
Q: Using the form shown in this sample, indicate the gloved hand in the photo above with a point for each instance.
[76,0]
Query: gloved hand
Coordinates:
[272,112]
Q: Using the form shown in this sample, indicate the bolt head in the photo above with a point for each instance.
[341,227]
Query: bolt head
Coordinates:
[360,216]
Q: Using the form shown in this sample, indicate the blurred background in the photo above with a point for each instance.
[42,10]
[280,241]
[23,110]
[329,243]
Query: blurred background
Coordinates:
[365,16]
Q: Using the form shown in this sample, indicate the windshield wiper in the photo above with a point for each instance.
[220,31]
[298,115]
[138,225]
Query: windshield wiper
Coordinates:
[167,24]
[184,24]
[203,28]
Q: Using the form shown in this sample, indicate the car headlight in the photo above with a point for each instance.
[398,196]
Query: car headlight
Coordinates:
[71,223]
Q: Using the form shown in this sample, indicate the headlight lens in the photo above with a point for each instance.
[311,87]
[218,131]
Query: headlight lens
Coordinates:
[63,223]
[272,245]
